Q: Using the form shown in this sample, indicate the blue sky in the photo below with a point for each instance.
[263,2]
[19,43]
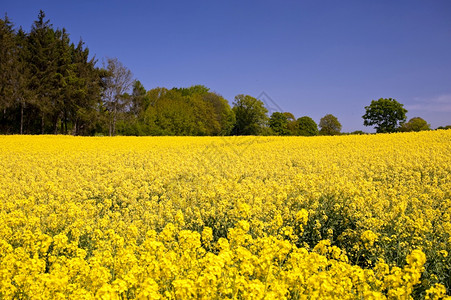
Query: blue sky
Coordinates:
[310,57]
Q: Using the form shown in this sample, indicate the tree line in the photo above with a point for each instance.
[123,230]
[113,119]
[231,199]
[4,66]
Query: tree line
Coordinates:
[47,83]
[50,85]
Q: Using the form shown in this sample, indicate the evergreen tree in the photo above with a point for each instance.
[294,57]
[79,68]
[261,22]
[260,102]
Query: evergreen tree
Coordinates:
[138,99]
[8,59]
[43,67]
[22,78]
[47,84]
[86,86]
[14,73]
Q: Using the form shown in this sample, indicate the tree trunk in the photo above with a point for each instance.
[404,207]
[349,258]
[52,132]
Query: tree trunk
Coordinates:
[21,116]
[74,130]
[55,126]
[65,123]
[114,120]
[42,124]
[110,125]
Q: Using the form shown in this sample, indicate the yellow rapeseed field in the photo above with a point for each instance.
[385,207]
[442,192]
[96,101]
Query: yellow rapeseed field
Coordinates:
[349,217]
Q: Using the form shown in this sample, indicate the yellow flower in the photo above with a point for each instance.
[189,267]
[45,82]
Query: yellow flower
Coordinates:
[302,216]
[438,291]
[369,237]
[416,259]
[225,217]
[322,247]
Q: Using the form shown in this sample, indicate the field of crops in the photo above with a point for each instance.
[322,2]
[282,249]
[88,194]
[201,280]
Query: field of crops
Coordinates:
[235,217]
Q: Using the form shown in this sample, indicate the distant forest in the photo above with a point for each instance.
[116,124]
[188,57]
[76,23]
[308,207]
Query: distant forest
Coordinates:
[51,85]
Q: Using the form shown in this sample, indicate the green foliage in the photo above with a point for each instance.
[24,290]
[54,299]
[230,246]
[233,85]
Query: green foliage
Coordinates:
[306,126]
[138,99]
[13,76]
[278,122]
[222,113]
[171,115]
[358,132]
[282,124]
[329,125]
[8,59]
[85,112]
[179,111]
[292,124]
[195,89]
[386,114]
[49,85]
[415,124]
[43,83]
[290,117]
[251,115]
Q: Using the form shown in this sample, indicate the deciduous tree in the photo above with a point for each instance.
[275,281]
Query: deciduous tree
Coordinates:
[415,124]
[117,83]
[251,115]
[306,126]
[386,114]
[329,125]
[278,122]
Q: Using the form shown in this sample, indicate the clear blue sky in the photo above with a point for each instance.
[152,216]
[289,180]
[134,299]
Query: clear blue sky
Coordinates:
[310,57]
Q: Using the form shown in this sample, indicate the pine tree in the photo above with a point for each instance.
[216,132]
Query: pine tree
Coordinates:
[22,76]
[7,64]
[86,88]
[43,65]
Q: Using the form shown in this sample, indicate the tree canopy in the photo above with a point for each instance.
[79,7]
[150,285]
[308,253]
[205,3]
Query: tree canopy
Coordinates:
[415,124]
[306,126]
[278,122]
[251,115]
[386,114]
[178,111]
[47,83]
[329,125]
